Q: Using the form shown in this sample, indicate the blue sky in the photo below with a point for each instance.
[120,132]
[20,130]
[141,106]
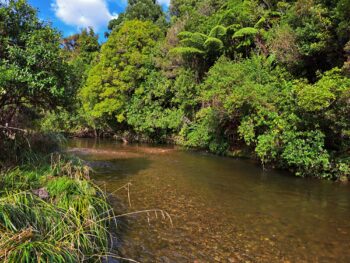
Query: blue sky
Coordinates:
[69,16]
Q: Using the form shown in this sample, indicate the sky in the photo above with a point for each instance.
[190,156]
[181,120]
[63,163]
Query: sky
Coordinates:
[69,16]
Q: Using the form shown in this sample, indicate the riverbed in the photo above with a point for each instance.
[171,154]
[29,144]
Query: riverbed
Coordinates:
[221,209]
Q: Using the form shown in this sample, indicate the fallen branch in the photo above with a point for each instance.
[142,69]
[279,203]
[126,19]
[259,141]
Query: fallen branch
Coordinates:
[6,127]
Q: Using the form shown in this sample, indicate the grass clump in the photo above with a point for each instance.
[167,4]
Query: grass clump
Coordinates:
[69,224]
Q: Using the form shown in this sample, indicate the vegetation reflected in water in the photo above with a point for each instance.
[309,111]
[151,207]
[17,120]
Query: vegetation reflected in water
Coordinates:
[224,210]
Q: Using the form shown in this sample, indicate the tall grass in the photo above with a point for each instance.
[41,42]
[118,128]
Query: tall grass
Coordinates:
[50,211]
[70,225]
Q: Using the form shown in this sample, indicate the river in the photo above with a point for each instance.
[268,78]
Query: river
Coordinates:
[222,209]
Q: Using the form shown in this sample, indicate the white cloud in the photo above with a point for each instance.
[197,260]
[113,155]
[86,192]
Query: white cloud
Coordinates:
[83,13]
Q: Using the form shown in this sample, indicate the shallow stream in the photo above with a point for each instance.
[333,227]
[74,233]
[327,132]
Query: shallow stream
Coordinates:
[222,209]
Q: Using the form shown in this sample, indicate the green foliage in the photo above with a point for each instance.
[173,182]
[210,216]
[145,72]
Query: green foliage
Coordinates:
[143,10]
[218,32]
[245,32]
[342,169]
[160,107]
[195,40]
[81,50]
[323,93]
[28,251]
[312,34]
[150,112]
[124,63]
[83,46]
[70,121]
[237,90]
[19,146]
[188,52]
[312,26]
[246,36]
[282,43]
[258,103]
[32,72]
[198,50]
[315,97]
[213,43]
[181,7]
[205,132]
[343,14]
[305,152]
[270,76]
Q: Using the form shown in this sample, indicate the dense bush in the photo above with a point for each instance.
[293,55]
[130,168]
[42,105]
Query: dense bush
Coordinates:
[259,74]
[270,76]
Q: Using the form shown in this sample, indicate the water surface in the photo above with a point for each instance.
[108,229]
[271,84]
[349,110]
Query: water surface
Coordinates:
[223,210]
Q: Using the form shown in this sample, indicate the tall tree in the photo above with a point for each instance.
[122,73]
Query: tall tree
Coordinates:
[81,49]
[144,10]
[84,45]
[124,63]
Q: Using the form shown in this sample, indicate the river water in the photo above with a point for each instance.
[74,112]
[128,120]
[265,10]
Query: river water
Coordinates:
[222,209]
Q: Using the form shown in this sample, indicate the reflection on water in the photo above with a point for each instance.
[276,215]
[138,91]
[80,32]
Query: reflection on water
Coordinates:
[223,210]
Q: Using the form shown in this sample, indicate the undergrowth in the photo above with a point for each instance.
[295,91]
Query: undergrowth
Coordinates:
[53,213]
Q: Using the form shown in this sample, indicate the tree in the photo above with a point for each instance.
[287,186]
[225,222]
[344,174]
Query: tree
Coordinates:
[83,45]
[343,14]
[179,8]
[160,106]
[32,72]
[313,30]
[124,63]
[80,50]
[143,10]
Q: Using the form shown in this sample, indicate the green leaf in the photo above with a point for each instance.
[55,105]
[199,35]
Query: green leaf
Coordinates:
[244,32]
[218,32]
[214,44]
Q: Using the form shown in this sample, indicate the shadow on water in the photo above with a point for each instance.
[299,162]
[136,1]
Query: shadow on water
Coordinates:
[116,169]
[109,161]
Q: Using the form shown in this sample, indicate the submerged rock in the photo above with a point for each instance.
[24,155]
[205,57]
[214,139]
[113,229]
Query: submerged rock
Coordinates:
[344,179]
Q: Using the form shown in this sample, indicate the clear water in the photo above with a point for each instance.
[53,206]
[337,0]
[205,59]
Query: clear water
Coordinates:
[223,210]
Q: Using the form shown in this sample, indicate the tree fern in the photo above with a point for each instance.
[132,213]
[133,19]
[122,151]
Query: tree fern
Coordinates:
[260,23]
[214,44]
[245,32]
[184,35]
[218,32]
[187,51]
